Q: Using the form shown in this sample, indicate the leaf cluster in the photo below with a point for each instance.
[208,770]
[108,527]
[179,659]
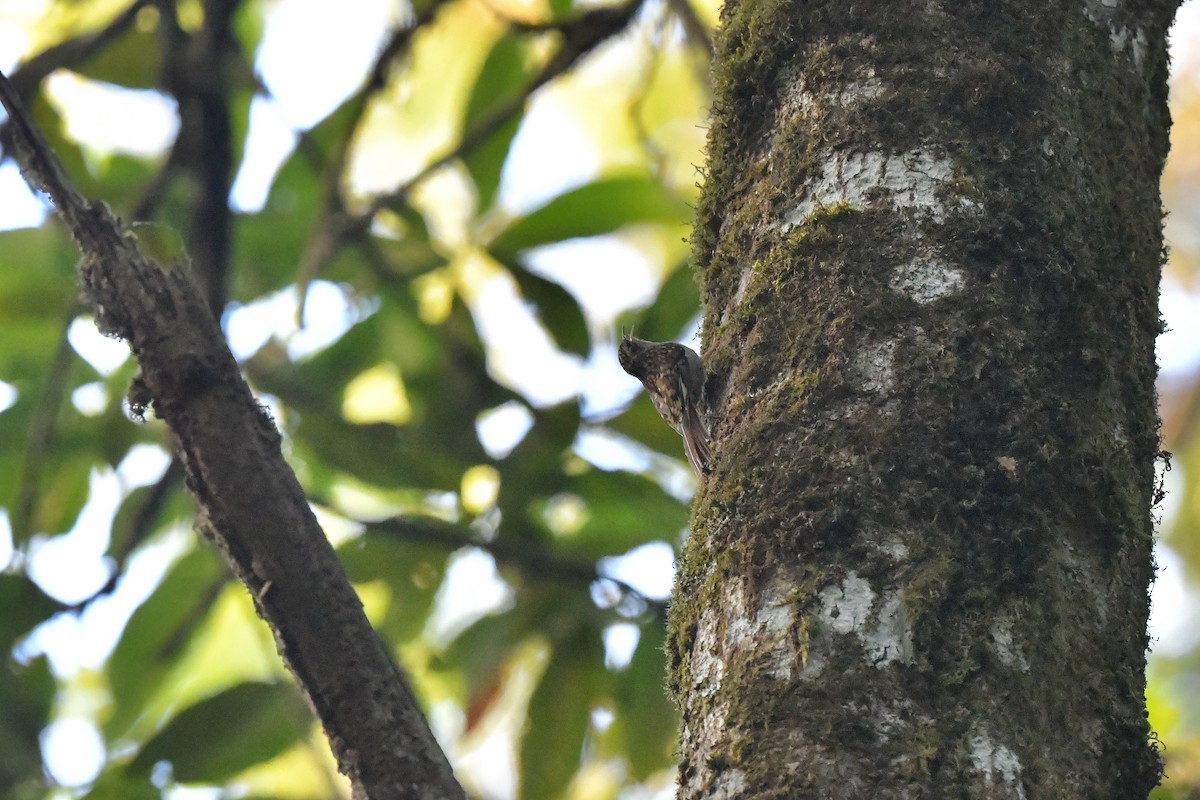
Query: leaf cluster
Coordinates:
[384,424]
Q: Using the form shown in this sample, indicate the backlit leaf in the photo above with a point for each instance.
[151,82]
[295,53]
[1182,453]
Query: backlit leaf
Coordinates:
[223,735]
[503,75]
[647,718]
[560,713]
[158,633]
[600,207]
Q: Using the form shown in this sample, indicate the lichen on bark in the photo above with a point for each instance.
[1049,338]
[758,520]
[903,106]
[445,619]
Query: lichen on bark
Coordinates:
[929,242]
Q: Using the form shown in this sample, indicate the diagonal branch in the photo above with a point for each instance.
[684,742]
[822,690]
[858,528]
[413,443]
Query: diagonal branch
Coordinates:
[251,505]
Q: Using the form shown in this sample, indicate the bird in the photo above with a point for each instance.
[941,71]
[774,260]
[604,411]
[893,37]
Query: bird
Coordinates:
[674,378]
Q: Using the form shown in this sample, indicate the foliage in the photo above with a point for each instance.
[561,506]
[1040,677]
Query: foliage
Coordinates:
[1175,665]
[403,219]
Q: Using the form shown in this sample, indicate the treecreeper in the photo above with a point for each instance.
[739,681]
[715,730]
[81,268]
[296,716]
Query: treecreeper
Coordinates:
[674,378]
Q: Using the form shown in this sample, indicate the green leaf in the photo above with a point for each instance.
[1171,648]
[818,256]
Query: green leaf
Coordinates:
[647,718]
[133,61]
[177,506]
[446,382]
[248,26]
[25,607]
[642,423]
[596,208]
[413,572]
[559,715]
[112,433]
[503,75]
[115,784]
[157,635]
[61,492]
[677,304]
[24,363]
[391,456]
[623,511]
[534,467]
[69,152]
[408,257]
[479,651]
[26,695]
[553,431]
[239,122]
[486,162]
[122,179]
[37,284]
[557,309]
[269,245]
[161,243]
[228,733]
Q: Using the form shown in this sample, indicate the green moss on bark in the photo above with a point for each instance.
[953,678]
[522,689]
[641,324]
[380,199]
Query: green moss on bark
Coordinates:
[986,455]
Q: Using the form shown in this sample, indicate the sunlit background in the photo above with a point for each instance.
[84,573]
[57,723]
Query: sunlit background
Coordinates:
[565,140]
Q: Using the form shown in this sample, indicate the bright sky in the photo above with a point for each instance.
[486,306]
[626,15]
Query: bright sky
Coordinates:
[72,567]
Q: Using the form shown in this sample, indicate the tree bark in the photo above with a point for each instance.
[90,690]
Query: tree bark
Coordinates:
[930,244]
[251,505]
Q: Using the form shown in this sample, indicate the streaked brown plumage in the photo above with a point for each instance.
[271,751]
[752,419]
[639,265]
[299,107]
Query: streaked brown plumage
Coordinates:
[674,379]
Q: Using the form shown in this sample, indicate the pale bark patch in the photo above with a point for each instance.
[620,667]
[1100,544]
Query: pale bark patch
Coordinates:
[743,283]
[852,607]
[728,634]
[708,667]
[767,631]
[875,366]
[911,180]
[800,99]
[729,785]
[927,279]
[999,765]
[1006,648]
[1122,39]
[890,638]
[1083,569]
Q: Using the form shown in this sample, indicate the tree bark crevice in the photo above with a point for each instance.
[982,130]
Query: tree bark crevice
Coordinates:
[932,294]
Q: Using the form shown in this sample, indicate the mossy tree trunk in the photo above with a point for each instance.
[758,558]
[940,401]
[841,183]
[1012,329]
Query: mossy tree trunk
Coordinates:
[930,244]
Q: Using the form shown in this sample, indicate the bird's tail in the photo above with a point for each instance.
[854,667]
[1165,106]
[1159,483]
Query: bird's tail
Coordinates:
[695,441]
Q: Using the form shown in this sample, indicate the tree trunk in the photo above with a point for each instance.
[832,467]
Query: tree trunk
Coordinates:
[930,244]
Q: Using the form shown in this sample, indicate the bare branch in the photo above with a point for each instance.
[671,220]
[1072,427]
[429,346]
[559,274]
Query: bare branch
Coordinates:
[252,507]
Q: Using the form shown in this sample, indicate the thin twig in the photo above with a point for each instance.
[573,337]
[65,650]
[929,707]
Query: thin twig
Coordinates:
[532,560]
[70,53]
[695,30]
[580,37]
[322,245]
[40,436]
